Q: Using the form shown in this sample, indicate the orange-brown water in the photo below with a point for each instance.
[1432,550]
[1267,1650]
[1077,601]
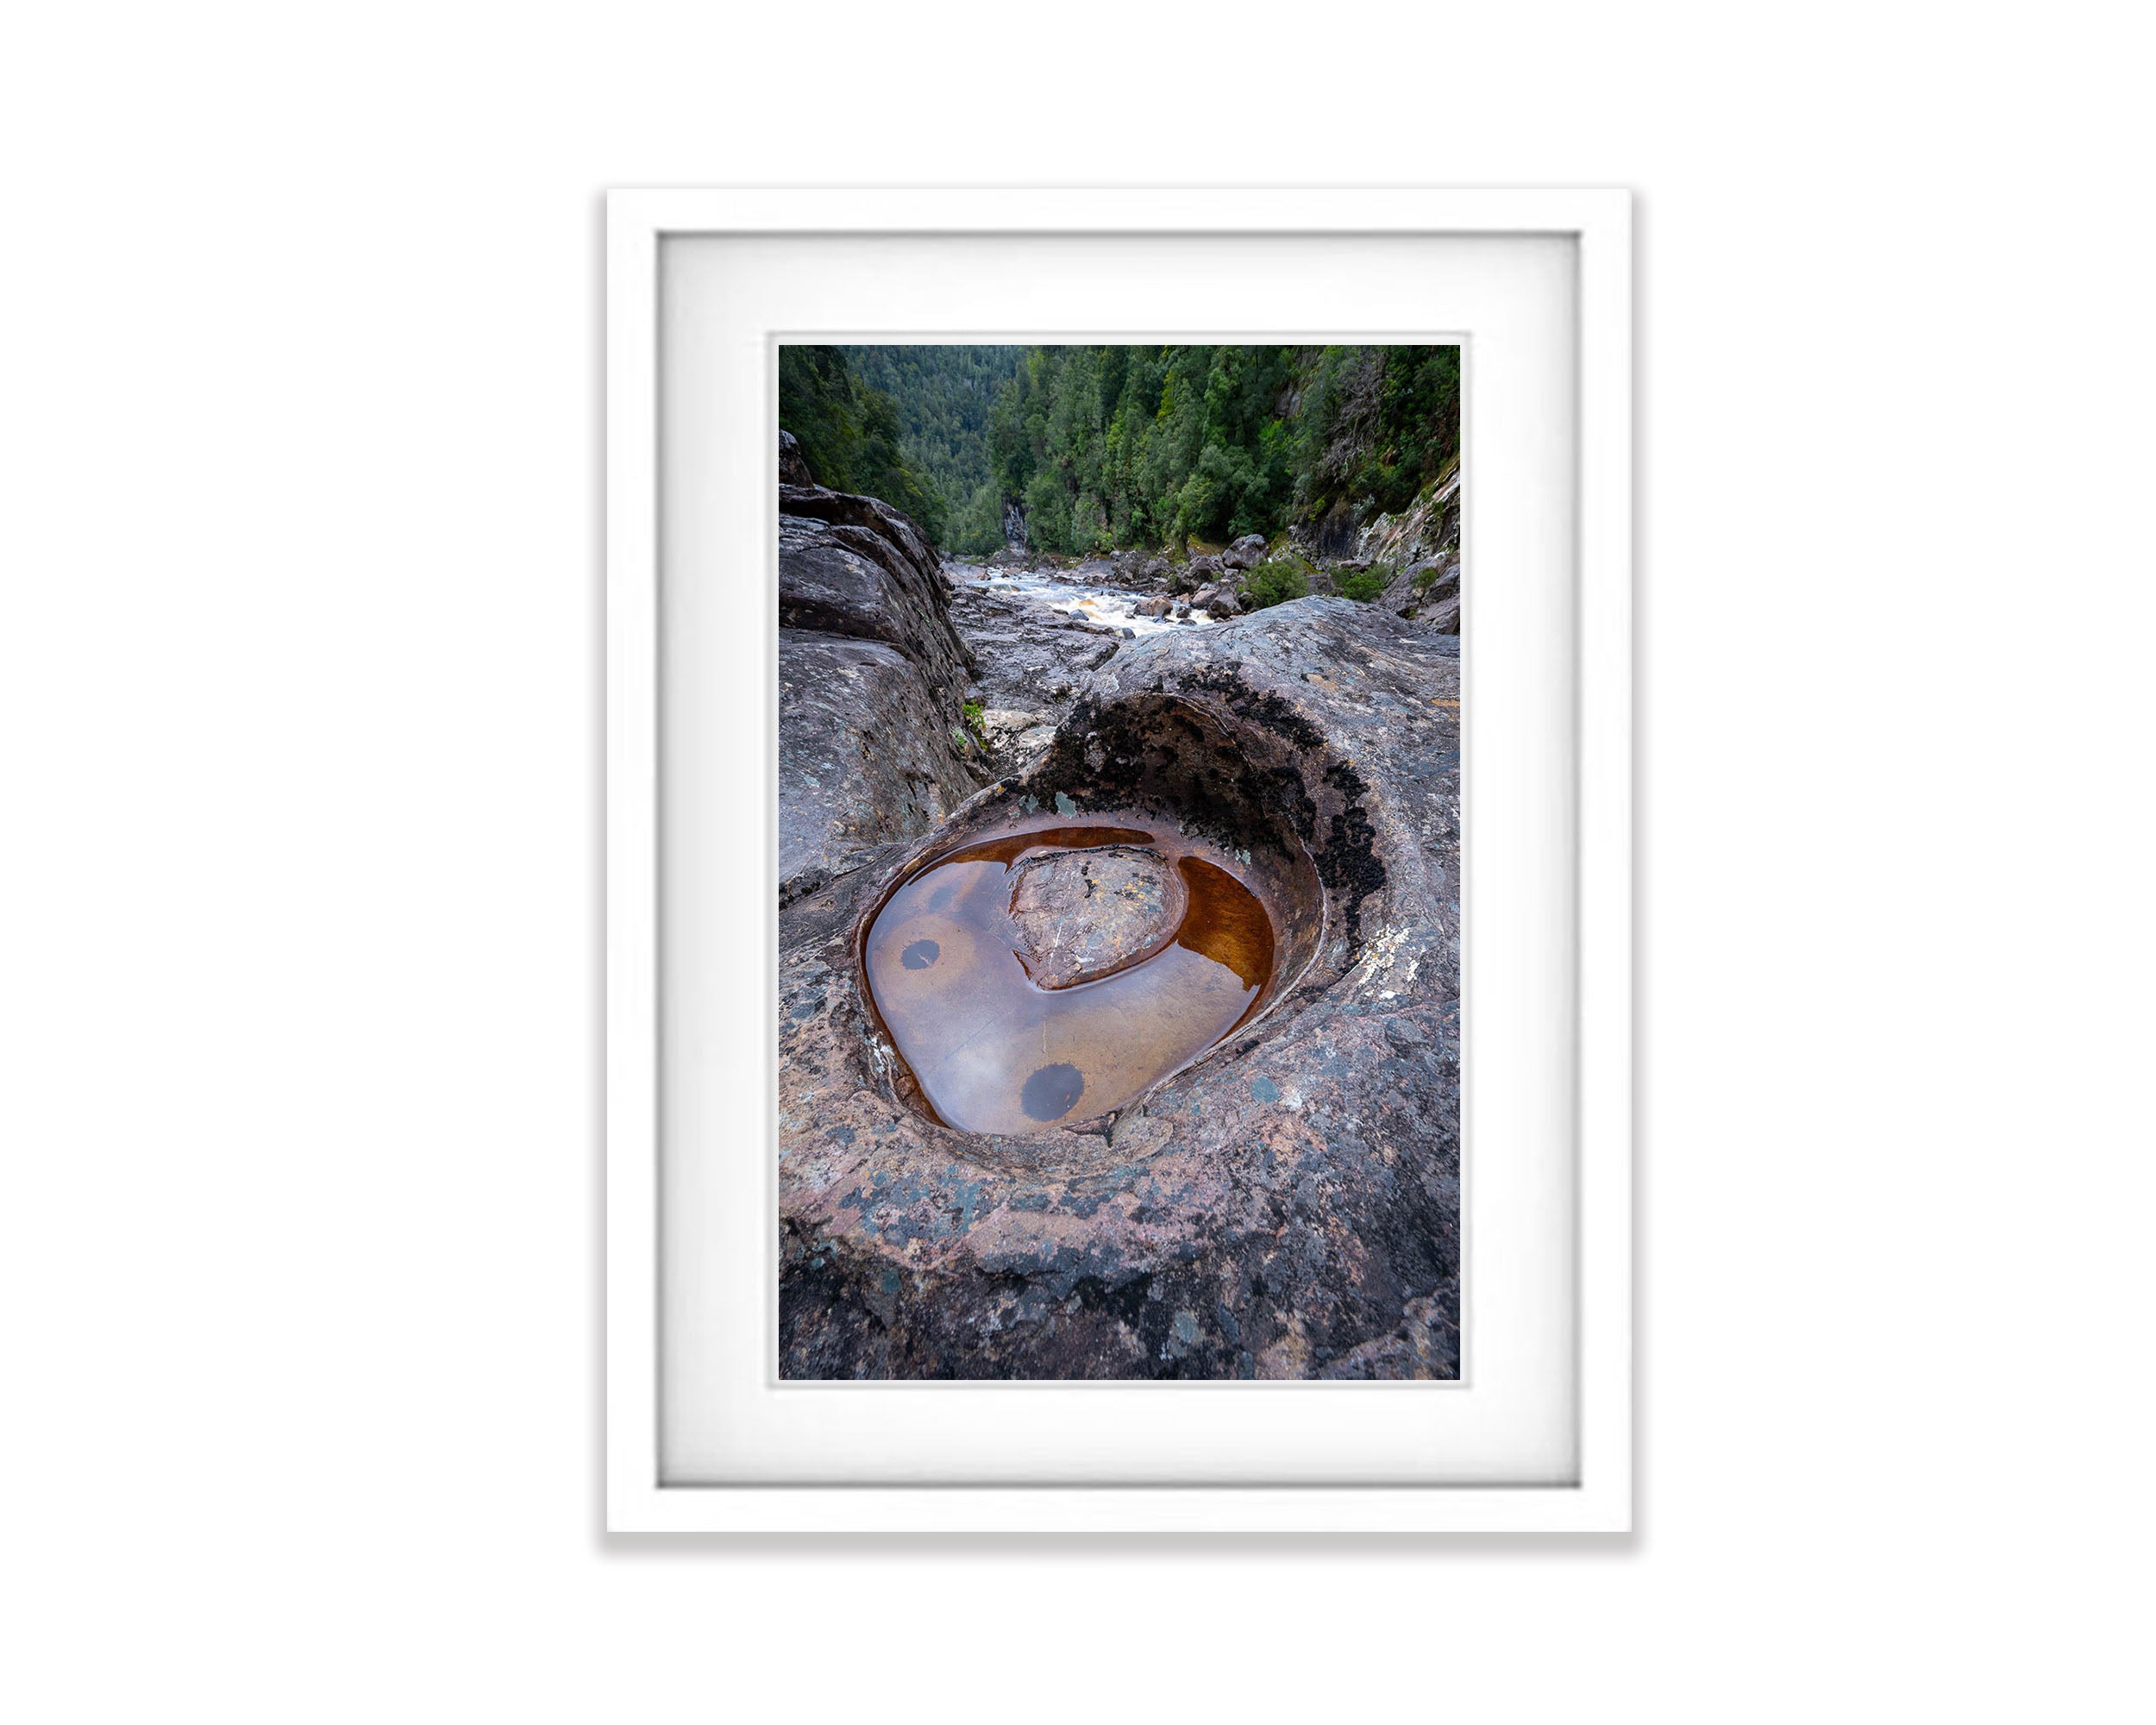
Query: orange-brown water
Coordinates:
[992,1049]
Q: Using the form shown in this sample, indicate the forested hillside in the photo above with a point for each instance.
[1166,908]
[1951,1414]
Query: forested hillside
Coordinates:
[1110,447]
[944,397]
[852,436]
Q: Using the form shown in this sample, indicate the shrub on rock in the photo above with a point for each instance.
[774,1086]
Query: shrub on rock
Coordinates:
[1275,582]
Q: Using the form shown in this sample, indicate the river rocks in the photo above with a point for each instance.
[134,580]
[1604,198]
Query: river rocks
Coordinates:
[1247,553]
[1288,1205]
[1027,660]
[1154,606]
[1225,604]
[871,675]
[1204,568]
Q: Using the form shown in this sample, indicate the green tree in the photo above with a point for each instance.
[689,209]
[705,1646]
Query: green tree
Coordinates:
[849,434]
[1048,513]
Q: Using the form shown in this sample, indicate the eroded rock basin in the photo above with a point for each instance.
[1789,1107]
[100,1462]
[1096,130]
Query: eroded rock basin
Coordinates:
[1057,971]
[1285,1205]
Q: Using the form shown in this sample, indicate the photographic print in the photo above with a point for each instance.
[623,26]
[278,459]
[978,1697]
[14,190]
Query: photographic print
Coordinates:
[1118,900]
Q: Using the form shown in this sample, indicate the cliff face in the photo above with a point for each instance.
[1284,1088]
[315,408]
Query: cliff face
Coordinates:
[872,677]
[1422,544]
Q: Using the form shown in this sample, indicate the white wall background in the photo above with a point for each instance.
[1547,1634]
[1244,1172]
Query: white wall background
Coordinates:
[298,945]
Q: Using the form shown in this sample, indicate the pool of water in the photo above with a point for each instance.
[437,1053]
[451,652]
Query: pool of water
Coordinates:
[1053,973]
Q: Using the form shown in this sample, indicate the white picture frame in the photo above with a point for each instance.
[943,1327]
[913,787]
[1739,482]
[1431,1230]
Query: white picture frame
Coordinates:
[1595,1494]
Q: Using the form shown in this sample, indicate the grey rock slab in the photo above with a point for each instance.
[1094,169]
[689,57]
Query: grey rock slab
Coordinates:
[867,756]
[872,675]
[853,566]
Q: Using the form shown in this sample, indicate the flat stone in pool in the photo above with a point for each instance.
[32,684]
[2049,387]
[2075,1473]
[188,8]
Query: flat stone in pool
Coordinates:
[1053,973]
[1086,913]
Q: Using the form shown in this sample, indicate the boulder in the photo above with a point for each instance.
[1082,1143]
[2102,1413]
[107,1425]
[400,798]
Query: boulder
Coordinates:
[1156,606]
[1444,615]
[1433,577]
[1204,598]
[1225,604]
[794,467]
[1204,568]
[1424,587]
[1247,553]
[1015,734]
[1288,1205]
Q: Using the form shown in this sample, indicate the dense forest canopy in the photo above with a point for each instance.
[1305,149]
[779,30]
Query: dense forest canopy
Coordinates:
[852,436]
[1109,447]
[944,398]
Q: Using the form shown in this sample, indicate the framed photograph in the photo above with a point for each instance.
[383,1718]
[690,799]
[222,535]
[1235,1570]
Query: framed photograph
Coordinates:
[1119,884]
